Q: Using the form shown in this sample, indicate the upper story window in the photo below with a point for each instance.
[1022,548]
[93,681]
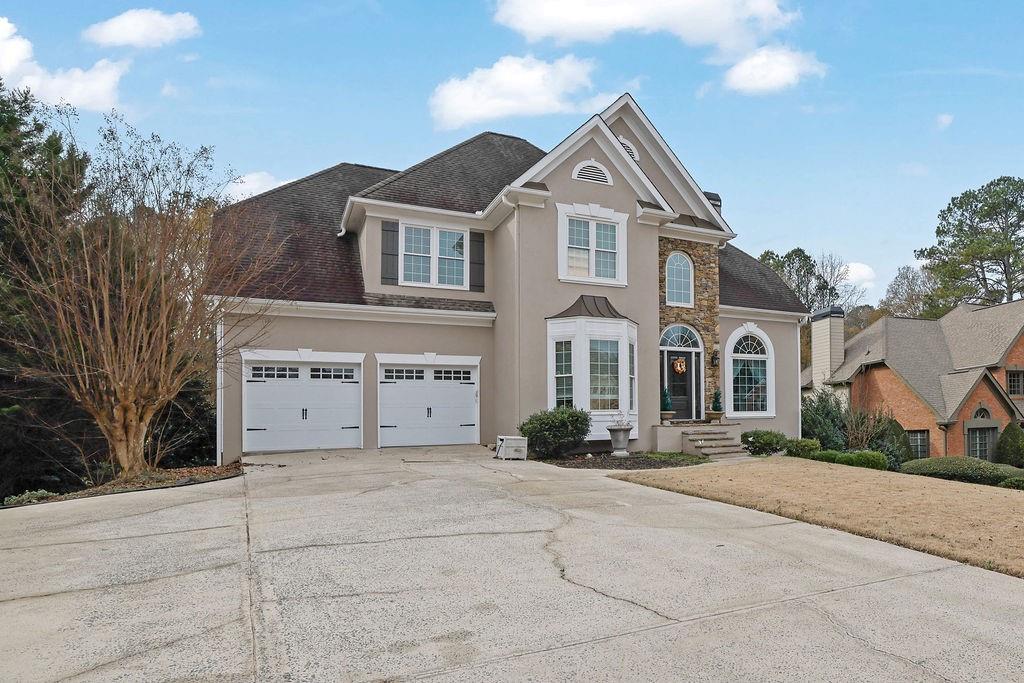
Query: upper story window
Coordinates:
[592,172]
[1015,382]
[750,373]
[982,414]
[433,257]
[678,280]
[591,244]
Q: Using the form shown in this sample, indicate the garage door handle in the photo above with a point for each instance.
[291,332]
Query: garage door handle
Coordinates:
[255,429]
[387,382]
[468,424]
[256,381]
[388,426]
[353,427]
[467,382]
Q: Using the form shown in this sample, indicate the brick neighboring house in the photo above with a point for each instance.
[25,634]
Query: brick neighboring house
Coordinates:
[953,383]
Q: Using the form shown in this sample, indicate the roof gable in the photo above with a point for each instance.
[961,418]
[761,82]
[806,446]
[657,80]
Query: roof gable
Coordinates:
[652,143]
[982,335]
[597,130]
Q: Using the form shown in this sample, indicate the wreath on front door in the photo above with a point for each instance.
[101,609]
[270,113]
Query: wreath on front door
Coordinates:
[679,366]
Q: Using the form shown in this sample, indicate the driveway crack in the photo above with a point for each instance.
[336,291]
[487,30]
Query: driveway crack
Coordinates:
[848,632]
[249,574]
[558,560]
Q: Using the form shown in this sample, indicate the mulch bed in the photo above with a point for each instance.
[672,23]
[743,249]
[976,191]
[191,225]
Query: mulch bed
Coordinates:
[155,479]
[639,461]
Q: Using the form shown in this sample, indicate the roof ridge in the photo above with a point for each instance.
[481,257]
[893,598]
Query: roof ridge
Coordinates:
[401,174]
[322,171]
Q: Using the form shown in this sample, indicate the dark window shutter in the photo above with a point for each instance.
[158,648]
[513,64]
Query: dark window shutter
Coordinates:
[389,252]
[476,262]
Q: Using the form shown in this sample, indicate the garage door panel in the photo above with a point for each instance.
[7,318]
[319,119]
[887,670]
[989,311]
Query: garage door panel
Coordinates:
[423,406]
[302,407]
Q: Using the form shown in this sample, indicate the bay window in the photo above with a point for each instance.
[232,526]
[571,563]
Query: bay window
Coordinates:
[592,366]
[433,257]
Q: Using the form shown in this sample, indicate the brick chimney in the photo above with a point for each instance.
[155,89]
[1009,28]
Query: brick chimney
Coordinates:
[828,343]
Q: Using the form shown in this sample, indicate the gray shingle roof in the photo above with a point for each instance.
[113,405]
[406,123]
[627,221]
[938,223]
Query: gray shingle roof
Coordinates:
[465,177]
[942,360]
[745,281]
[302,219]
[589,306]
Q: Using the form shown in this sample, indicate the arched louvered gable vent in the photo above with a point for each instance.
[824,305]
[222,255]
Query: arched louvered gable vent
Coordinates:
[630,149]
[593,172]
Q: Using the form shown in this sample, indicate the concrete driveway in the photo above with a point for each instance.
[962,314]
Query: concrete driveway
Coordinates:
[446,564]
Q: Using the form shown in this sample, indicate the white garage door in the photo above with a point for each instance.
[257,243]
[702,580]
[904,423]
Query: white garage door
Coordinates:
[294,406]
[428,405]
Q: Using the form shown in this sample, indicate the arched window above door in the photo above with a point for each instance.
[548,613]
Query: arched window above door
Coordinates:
[680,337]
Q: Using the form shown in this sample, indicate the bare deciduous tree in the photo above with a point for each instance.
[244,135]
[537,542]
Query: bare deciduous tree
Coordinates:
[111,288]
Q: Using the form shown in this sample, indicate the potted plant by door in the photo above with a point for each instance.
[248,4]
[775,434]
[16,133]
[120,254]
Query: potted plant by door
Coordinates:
[715,414]
[666,406]
[619,431]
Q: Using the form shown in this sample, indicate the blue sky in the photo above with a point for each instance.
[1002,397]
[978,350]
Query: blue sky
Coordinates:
[840,126]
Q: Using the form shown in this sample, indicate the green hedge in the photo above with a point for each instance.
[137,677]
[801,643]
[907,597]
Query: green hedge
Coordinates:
[1010,446]
[764,441]
[869,459]
[551,433]
[960,468]
[802,448]
[1013,483]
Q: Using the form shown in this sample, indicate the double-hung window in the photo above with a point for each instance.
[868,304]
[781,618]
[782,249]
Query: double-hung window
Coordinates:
[919,442]
[632,376]
[592,244]
[592,249]
[433,257]
[563,374]
[604,374]
[1015,382]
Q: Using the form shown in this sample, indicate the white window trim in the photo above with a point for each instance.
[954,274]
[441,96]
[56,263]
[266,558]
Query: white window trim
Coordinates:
[592,213]
[592,162]
[580,331]
[434,256]
[753,329]
[679,304]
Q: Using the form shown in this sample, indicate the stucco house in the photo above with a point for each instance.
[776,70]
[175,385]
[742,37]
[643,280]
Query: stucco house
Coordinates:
[952,383]
[446,303]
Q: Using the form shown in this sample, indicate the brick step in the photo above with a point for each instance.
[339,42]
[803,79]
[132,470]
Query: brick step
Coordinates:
[688,431]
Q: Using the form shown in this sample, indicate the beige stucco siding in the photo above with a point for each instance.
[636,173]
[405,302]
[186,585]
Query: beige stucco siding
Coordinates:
[354,336]
[785,338]
[545,295]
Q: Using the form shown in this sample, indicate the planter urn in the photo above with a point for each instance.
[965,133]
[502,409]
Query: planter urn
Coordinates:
[620,439]
[667,415]
[713,415]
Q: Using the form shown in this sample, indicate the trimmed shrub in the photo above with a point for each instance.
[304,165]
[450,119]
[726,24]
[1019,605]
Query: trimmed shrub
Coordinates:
[822,415]
[551,433]
[1010,446]
[802,448]
[28,497]
[1013,483]
[960,468]
[870,459]
[764,441]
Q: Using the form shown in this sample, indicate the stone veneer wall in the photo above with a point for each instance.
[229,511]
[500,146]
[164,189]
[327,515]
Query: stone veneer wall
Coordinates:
[703,317]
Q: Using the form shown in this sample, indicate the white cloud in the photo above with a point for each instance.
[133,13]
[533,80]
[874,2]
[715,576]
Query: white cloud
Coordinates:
[770,69]
[516,86]
[253,183]
[732,27]
[94,88]
[143,28]
[943,121]
[189,57]
[861,274]
[168,89]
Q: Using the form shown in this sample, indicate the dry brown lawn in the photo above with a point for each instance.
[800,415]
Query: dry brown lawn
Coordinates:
[979,525]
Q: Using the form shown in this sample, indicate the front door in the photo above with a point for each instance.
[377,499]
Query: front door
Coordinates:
[680,373]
